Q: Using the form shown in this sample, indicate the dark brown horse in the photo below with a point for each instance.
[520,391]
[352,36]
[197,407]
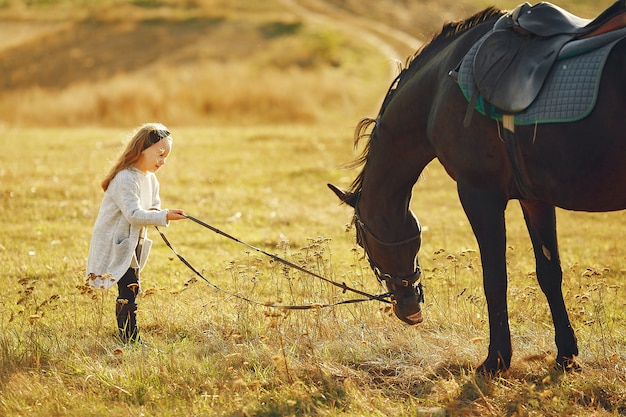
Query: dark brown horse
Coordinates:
[575,165]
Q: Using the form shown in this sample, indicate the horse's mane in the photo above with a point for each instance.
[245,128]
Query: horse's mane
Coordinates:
[449,30]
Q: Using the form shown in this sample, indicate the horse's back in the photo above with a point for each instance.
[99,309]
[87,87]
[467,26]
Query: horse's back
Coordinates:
[595,147]
[575,165]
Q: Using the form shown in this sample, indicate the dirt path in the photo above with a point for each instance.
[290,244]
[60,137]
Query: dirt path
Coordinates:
[394,44]
[16,33]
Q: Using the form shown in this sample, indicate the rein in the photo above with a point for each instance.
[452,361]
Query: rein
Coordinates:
[342,285]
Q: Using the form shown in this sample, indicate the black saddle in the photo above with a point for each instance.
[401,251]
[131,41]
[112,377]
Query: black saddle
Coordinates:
[515,58]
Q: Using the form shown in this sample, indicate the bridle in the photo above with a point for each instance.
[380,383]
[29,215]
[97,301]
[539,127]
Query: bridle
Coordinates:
[413,279]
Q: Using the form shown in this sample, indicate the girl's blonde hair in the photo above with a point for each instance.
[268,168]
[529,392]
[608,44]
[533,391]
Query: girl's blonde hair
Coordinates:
[145,136]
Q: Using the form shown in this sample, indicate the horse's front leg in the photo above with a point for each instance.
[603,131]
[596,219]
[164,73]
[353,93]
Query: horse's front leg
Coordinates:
[485,211]
[541,222]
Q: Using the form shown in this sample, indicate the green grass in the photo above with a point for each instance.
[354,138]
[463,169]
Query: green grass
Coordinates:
[212,354]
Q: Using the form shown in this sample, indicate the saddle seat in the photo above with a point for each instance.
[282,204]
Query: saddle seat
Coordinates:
[514,59]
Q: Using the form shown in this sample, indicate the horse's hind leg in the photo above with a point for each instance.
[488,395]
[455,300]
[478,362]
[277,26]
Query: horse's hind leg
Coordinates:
[541,222]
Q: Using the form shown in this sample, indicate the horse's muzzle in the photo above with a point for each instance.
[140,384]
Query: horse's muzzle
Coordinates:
[407,306]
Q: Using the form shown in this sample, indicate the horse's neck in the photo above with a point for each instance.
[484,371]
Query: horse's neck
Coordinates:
[386,191]
[401,149]
[388,217]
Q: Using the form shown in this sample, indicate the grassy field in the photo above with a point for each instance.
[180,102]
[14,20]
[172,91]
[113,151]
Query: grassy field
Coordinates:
[253,159]
[210,353]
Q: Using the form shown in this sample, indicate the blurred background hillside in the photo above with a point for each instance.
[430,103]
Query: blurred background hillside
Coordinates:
[205,62]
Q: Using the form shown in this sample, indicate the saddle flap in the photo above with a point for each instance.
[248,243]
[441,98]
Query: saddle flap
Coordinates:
[509,71]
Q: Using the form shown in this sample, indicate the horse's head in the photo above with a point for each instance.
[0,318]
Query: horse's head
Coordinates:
[395,263]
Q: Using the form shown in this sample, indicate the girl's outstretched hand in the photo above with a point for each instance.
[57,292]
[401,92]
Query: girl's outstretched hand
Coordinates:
[176,214]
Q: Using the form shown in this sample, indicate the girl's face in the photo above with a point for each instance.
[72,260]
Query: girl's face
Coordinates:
[152,158]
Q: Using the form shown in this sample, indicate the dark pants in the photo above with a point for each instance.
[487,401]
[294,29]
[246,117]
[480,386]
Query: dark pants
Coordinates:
[128,286]
[126,306]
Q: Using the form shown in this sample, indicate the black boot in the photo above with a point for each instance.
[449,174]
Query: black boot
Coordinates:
[127,321]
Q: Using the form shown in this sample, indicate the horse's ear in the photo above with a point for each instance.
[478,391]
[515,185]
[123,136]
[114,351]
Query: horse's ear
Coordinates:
[348,198]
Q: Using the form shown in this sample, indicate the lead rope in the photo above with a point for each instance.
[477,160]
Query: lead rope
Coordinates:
[343,286]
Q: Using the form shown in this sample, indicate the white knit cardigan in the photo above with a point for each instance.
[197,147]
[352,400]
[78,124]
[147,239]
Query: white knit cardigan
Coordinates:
[130,203]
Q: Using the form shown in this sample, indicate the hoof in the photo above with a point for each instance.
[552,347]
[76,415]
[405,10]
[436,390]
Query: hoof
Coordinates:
[565,364]
[492,368]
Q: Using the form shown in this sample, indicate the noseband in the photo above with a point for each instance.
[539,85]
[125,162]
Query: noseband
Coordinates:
[394,281]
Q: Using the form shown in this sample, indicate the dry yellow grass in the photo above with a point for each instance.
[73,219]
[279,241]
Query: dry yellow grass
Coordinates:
[204,64]
[259,176]
[201,62]
[212,354]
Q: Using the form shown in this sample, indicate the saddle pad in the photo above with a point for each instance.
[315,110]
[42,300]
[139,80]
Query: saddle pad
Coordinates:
[569,92]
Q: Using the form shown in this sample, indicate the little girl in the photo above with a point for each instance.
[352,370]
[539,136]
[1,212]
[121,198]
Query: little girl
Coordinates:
[119,247]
